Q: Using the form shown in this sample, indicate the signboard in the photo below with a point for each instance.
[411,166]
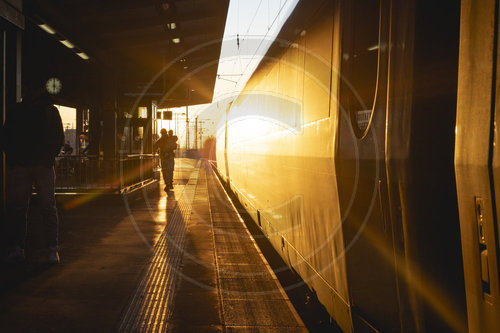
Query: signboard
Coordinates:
[167,115]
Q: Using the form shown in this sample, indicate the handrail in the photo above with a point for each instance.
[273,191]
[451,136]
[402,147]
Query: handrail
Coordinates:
[81,172]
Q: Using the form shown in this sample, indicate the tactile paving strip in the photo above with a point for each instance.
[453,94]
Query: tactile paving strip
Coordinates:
[151,304]
[251,298]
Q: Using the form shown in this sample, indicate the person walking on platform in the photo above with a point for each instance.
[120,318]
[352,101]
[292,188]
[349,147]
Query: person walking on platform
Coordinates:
[33,136]
[167,145]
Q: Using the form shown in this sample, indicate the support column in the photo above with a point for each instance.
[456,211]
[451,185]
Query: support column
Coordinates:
[3,37]
[79,129]
[109,133]
[149,130]
[95,131]
[10,61]
[10,94]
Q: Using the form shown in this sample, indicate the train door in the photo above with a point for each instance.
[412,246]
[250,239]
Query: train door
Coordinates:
[477,161]
[360,164]
[419,154]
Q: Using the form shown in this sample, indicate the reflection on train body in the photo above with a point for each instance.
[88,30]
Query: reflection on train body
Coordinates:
[342,148]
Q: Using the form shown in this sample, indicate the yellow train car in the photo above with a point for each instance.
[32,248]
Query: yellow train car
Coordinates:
[341,148]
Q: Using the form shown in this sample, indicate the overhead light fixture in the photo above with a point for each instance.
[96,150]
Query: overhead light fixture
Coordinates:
[67,43]
[47,28]
[171,25]
[186,67]
[82,55]
[176,40]
[183,60]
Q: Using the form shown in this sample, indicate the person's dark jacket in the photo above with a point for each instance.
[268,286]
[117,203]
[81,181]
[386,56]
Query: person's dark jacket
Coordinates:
[167,145]
[33,134]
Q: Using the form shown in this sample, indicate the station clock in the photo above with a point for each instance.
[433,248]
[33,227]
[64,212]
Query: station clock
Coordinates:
[53,86]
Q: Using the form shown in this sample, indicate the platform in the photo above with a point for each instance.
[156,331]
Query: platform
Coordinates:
[182,262]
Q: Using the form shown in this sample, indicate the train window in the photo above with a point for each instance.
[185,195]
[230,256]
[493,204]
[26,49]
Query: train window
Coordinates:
[315,83]
[360,61]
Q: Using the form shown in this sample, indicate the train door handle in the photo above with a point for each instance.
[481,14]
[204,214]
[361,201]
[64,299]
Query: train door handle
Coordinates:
[483,246]
[485,271]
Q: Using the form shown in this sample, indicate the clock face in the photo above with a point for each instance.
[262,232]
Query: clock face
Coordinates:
[53,85]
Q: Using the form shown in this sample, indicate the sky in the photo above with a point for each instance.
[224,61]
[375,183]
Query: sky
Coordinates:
[253,24]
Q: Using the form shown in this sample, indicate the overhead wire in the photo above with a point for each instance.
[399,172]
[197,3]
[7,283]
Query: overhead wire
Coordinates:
[246,35]
[263,38]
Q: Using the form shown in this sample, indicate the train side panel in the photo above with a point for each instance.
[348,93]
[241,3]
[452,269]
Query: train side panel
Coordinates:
[340,149]
[281,145]
[477,162]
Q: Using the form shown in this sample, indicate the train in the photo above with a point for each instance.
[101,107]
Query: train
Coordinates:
[364,146]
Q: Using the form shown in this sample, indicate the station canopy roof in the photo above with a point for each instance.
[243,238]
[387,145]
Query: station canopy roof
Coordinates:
[164,49]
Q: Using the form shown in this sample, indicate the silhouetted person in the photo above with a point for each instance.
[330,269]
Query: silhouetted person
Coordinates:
[33,137]
[67,149]
[167,145]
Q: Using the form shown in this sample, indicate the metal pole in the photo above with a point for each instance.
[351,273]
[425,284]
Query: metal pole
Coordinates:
[187,128]
[196,132]
[201,134]
[4,114]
